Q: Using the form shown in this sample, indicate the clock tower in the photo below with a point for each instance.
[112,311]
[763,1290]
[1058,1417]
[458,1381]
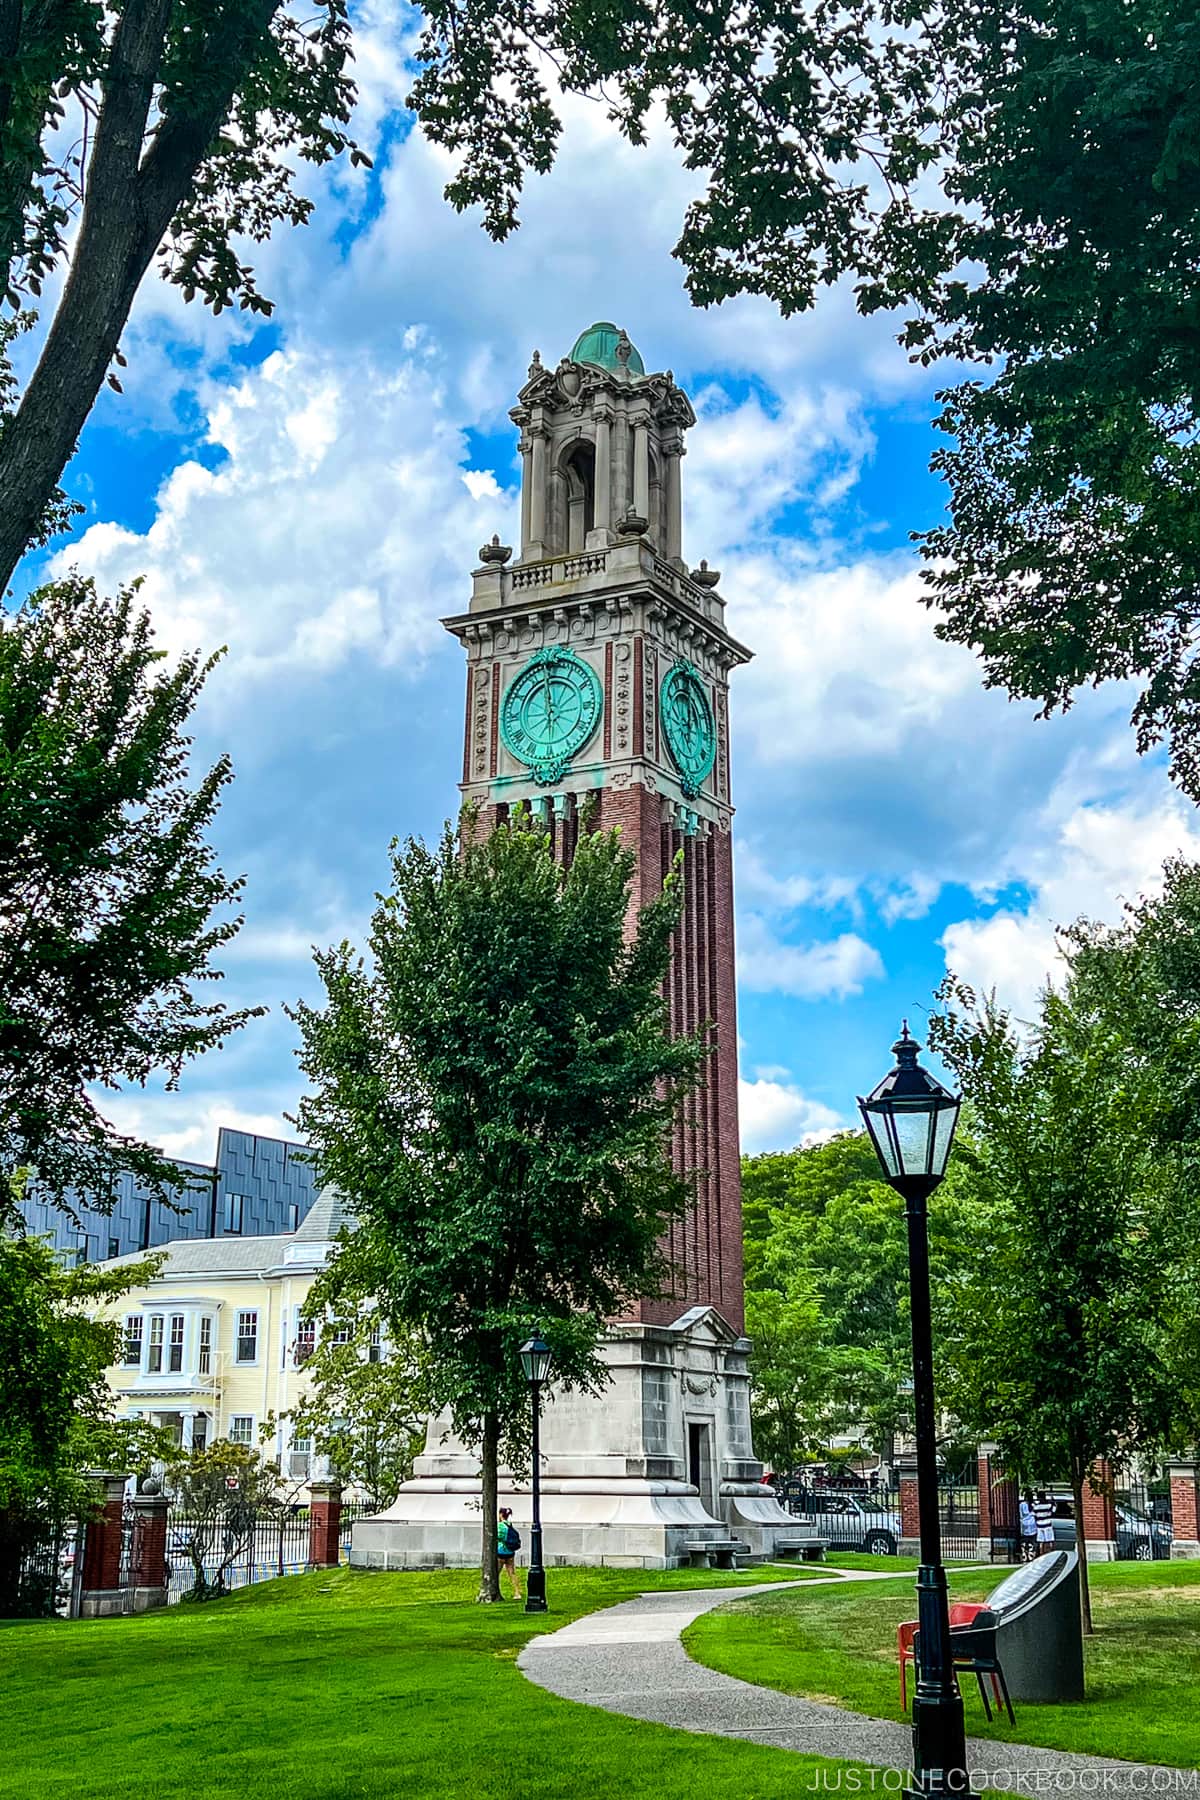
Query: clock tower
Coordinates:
[598,672]
[598,676]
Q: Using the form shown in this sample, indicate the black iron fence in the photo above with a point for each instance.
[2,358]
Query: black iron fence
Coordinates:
[351,1510]
[37,1569]
[959,1518]
[1143,1525]
[236,1548]
[848,1518]
[870,1517]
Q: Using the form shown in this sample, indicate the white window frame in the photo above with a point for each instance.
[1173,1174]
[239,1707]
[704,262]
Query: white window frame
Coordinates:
[154,1362]
[238,1437]
[375,1344]
[133,1333]
[304,1343]
[300,1458]
[176,1343]
[241,1337]
[204,1345]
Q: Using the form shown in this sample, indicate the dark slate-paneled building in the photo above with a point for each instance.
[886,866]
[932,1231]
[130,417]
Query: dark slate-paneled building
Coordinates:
[257,1187]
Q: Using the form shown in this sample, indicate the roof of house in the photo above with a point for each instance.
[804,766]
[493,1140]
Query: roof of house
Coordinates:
[324,1219]
[231,1255]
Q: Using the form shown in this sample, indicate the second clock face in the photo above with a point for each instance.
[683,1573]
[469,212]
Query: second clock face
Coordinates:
[687,722]
[550,711]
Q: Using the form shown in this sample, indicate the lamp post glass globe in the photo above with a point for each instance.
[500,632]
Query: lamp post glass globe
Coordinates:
[910,1118]
[535,1360]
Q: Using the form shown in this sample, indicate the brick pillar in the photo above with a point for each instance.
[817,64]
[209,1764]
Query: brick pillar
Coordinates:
[1185,1508]
[910,1509]
[325,1524]
[1100,1514]
[149,1572]
[998,1499]
[101,1591]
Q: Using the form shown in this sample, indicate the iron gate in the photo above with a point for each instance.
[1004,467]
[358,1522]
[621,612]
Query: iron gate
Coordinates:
[1002,1502]
[958,1516]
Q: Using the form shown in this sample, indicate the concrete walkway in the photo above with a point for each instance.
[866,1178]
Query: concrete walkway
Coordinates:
[629,1659]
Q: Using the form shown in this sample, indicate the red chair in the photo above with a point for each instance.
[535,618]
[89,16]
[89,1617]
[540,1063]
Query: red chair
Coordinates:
[904,1649]
[962,1612]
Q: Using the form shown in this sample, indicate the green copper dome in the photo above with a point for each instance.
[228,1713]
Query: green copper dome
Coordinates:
[598,345]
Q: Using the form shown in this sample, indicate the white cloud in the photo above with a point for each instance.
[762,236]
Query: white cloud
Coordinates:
[910,899]
[338,524]
[832,968]
[1097,857]
[845,657]
[775,1115]
[759,884]
[188,1128]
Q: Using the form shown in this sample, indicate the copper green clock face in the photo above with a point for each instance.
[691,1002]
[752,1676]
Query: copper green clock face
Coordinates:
[550,711]
[687,723]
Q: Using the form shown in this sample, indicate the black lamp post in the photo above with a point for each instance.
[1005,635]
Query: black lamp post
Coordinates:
[535,1360]
[911,1119]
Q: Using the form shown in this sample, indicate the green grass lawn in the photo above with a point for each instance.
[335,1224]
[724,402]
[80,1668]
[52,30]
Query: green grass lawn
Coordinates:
[858,1559]
[839,1644]
[348,1684]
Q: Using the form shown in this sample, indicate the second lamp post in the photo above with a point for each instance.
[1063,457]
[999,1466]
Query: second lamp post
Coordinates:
[535,1360]
[911,1119]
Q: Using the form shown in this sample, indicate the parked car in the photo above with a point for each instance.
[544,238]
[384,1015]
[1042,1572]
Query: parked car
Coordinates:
[1139,1538]
[847,1522]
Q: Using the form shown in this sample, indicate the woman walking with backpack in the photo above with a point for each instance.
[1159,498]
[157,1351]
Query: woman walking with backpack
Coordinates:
[508,1542]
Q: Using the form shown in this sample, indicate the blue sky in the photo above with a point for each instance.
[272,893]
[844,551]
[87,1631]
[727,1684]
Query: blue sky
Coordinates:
[312,494]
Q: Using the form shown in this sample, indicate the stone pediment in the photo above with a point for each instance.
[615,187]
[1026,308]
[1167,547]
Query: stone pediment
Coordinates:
[704,1325]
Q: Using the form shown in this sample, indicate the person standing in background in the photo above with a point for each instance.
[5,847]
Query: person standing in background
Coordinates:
[508,1542]
[1029,1528]
[1043,1512]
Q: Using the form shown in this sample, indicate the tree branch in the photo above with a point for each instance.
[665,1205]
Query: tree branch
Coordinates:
[129,204]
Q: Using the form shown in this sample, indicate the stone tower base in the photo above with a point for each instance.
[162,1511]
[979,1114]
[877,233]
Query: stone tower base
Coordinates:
[658,1461]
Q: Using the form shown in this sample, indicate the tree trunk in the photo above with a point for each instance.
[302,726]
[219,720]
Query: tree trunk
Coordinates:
[489,1572]
[1078,1473]
[129,202]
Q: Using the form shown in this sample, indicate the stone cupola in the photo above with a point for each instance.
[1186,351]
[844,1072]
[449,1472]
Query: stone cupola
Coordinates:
[601,446]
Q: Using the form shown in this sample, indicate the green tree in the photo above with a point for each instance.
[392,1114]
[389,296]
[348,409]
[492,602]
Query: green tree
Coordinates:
[227,1496]
[56,1408]
[1072,553]
[792,1371]
[1060,1342]
[826,1248]
[130,129]
[365,1401]
[493,1097]
[111,906]
[801,1181]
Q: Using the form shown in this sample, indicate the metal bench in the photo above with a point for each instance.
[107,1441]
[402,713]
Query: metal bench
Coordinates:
[717,1553]
[799,1550]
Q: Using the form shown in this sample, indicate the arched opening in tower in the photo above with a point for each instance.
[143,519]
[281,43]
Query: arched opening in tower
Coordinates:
[655,532]
[579,467]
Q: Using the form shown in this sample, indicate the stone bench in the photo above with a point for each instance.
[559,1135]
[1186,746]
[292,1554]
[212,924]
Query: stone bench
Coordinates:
[799,1550]
[717,1553]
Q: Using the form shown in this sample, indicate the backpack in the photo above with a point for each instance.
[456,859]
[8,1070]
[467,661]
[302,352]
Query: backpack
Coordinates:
[513,1541]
